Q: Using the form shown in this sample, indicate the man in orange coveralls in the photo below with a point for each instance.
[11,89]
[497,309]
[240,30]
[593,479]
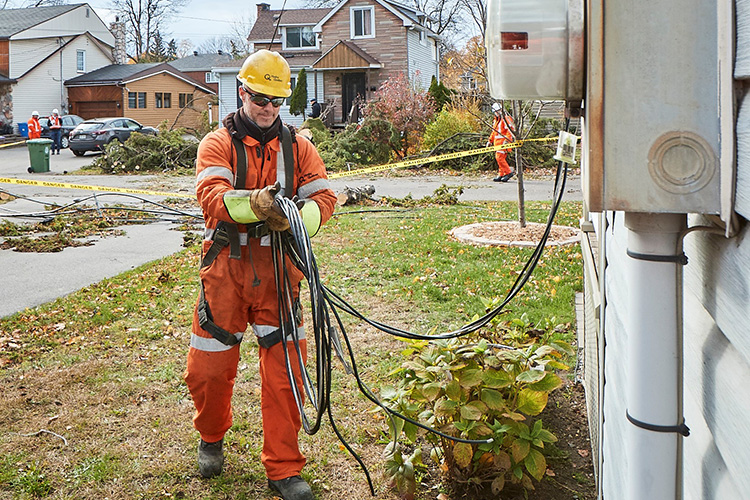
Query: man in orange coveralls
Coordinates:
[35,128]
[501,134]
[237,274]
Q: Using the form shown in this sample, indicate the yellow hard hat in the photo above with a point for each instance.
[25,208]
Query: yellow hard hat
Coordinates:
[267,73]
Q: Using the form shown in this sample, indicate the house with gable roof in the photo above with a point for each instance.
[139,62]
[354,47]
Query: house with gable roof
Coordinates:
[150,93]
[40,48]
[347,52]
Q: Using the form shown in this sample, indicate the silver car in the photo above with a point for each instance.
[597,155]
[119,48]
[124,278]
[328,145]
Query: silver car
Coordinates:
[94,134]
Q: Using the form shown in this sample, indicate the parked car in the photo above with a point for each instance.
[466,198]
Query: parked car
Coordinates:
[69,122]
[94,134]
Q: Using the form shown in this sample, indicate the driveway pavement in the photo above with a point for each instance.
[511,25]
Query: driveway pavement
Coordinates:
[31,279]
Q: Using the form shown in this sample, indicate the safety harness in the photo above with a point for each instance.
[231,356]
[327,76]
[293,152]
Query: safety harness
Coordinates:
[228,234]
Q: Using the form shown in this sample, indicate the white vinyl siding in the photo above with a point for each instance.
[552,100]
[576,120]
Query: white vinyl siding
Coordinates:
[422,64]
[716,359]
[42,88]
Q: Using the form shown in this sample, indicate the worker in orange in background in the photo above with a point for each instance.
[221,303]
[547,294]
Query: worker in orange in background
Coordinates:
[238,171]
[35,128]
[55,131]
[501,134]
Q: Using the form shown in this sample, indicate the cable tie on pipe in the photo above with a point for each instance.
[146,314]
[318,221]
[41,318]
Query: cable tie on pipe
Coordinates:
[679,429]
[677,259]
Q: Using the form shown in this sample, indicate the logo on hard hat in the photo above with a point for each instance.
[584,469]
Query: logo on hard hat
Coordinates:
[269,77]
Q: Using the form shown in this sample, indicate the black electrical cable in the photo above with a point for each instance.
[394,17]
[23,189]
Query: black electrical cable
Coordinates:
[296,246]
[61,209]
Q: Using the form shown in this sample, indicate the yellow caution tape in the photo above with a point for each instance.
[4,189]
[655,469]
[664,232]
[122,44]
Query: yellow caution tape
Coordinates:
[361,171]
[63,185]
[12,144]
[433,159]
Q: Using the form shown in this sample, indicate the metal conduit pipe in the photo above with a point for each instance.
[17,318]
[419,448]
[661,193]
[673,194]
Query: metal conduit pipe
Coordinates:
[654,330]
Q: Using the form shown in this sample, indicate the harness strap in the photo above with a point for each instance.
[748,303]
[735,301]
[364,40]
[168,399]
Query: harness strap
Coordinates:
[234,240]
[288,152]
[206,321]
[240,163]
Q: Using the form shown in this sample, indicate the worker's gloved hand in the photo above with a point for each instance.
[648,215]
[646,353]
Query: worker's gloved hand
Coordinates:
[299,202]
[264,206]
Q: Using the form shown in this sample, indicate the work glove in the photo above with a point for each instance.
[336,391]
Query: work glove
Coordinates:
[264,206]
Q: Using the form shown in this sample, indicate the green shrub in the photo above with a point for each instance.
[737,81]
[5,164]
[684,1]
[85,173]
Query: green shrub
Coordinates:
[480,391]
[539,154]
[367,144]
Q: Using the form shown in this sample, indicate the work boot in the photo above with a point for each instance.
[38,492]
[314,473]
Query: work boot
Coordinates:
[292,488]
[210,458]
[507,177]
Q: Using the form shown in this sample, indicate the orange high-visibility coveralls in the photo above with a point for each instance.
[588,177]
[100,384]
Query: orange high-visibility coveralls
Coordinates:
[500,135]
[35,128]
[235,302]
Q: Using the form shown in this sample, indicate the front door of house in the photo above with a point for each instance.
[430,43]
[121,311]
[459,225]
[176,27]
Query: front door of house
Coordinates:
[352,85]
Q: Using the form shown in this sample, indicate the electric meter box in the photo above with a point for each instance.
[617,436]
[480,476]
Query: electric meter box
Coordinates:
[657,88]
[535,49]
[658,126]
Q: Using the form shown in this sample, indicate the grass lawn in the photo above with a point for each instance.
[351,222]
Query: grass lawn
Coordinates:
[94,405]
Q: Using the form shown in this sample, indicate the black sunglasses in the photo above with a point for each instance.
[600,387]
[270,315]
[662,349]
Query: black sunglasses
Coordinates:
[262,100]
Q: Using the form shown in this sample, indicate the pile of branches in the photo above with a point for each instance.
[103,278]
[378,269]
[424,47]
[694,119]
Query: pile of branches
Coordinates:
[167,151]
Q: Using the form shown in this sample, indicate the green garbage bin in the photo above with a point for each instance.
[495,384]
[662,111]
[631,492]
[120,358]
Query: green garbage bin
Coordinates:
[39,154]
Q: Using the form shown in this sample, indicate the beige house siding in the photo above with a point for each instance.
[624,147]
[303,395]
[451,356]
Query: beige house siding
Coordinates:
[164,83]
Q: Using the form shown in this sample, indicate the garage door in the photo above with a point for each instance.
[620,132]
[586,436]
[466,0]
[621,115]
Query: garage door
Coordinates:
[96,109]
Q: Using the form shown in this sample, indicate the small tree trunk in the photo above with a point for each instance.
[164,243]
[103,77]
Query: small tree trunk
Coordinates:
[521,199]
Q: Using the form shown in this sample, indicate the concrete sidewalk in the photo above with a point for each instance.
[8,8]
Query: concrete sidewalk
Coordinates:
[32,279]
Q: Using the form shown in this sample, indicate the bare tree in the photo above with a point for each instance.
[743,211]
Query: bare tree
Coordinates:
[239,32]
[476,10]
[215,44]
[184,48]
[143,18]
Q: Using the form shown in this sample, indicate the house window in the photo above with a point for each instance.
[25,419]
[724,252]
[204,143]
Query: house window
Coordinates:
[292,83]
[212,77]
[163,100]
[186,100]
[300,37]
[136,100]
[81,61]
[363,22]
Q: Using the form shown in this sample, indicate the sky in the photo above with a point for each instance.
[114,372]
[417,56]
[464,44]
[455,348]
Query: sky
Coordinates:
[201,20]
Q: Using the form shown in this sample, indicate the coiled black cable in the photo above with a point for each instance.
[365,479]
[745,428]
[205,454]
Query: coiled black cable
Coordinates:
[295,245]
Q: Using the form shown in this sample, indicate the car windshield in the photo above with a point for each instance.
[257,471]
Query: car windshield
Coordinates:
[89,126]
[43,122]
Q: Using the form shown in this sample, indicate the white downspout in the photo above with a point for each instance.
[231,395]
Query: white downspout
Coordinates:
[654,394]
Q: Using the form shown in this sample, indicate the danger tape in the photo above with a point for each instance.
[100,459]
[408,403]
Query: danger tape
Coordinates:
[12,144]
[436,158]
[64,185]
[335,175]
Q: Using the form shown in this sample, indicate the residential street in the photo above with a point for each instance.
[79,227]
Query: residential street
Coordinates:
[32,279]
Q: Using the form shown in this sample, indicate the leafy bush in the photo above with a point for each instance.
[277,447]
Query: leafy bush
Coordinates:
[481,391]
[320,132]
[459,127]
[167,151]
[440,93]
[367,144]
[405,108]
[539,154]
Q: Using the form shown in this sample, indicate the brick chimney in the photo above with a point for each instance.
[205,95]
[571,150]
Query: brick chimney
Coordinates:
[118,31]
[262,7]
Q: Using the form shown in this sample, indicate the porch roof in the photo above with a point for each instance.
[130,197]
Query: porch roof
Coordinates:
[346,55]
